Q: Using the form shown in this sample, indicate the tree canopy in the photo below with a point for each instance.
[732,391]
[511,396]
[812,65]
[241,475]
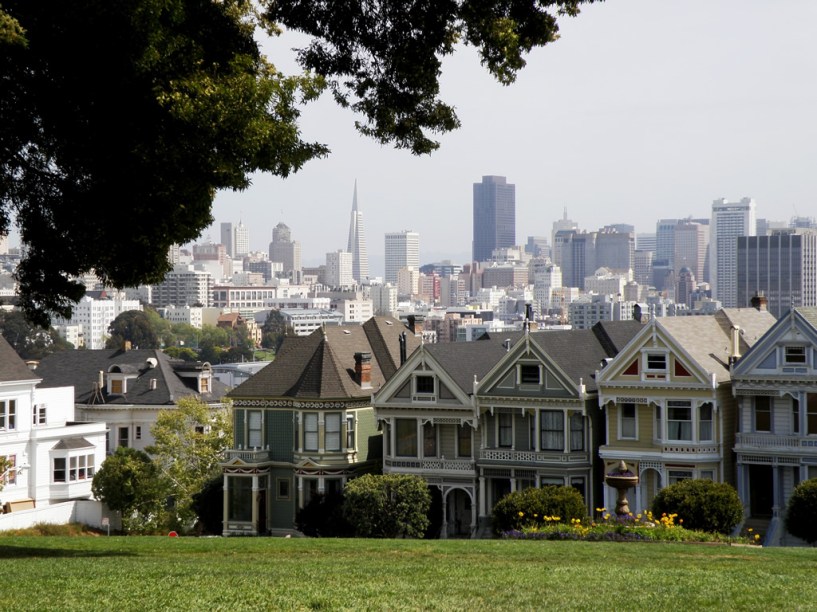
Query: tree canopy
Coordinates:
[30,341]
[134,326]
[121,120]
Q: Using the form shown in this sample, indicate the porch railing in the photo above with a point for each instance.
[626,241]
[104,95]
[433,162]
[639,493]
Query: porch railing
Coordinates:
[768,440]
[517,456]
[431,464]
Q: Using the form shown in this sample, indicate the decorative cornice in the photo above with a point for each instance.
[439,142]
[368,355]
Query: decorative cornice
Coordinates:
[303,405]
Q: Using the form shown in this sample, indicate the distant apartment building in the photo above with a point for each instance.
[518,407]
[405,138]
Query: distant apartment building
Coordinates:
[184,285]
[585,312]
[546,278]
[303,322]
[507,275]
[338,272]
[384,299]
[251,298]
[189,315]
[453,291]
[402,250]
[730,220]
[227,238]
[494,216]
[781,266]
[93,314]
[408,281]
[642,267]
[605,282]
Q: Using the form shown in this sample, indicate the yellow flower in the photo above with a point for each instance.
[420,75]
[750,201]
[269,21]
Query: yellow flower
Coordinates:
[750,530]
[757,536]
[521,514]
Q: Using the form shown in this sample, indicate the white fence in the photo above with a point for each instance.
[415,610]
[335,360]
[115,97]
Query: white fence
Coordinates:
[87,512]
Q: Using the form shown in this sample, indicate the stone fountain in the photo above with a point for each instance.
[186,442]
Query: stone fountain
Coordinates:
[621,478]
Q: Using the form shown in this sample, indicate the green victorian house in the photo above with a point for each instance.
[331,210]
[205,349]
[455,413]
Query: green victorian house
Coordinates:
[305,425]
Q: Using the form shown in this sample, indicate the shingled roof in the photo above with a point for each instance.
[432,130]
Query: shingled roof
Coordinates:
[322,365]
[12,367]
[462,361]
[80,369]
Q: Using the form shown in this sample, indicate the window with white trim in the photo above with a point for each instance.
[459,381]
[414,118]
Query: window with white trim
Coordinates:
[529,374]
[811,413]
[505,430]
[794,355]
[577,432]
[628,415]
[10,475]
[39,414]
[424,384]
[679,421]
[332,431]
[429,440]
[255,438]
[762,413]
[674,476]
[350,431]
[405,437]
[310,431]
[658,434]
[657,362]
[73,468]
[552,430]
[8,415]
[464,441]
[705,423]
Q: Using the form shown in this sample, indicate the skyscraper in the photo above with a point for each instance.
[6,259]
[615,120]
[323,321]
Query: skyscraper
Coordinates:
[730,220]
[402,251]
[227,238]
[285,250]
[494,216]
[339,269]
[357,243]
[781,267]
[241,242]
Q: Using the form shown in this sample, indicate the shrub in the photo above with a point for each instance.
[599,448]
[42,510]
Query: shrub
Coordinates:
[520,508]
[323,517]
[702,505]
[387,506]
[208,504]
[802,510]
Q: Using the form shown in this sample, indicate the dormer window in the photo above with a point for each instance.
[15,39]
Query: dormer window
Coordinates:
[117,386]
[795,355]
[425,388]
[204,384]
[529,374]
[657,362]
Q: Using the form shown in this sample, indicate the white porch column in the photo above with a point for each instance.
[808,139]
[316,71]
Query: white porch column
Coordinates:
[482,501]
[300,491]
[537,432]
[225,502]
[255,500]
[444,528]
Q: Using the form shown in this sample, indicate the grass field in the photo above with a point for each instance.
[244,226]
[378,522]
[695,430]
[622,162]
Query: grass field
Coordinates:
[161,573]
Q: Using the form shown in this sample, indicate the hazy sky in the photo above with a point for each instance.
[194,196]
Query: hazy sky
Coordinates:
[643,109]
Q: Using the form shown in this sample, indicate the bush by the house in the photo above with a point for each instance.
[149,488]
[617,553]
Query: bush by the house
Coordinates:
[323,517]
[702,505]
[801,511]
[387,506]
[532,505]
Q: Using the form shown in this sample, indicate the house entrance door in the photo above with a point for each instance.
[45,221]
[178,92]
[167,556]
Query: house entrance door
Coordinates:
[761,490]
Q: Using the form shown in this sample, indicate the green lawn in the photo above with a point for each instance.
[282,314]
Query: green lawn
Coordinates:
[158,573]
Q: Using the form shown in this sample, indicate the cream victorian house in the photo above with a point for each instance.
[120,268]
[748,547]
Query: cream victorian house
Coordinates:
[667,400]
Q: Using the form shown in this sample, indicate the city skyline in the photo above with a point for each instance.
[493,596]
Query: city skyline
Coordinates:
[594,124]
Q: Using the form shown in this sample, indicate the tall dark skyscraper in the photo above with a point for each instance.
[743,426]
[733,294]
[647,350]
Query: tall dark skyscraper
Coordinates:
[494,216]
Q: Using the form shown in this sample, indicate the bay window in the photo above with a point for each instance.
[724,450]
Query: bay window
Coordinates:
[552,430]
[577,432]
[310,431]
[332,431]
[254,437]
[429,440]
[405,433]
[705,423]
[679,421]
[628,421]
[505,423]
[763,413]
[463,441]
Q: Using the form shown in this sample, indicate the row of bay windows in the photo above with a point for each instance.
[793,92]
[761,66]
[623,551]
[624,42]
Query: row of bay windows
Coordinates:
[547,430]
[8,415]
[314,431]
[765,420]
[678,421]
[64,469]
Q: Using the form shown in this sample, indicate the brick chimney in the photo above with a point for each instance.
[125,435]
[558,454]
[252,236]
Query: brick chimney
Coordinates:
[363,370]
[759,301]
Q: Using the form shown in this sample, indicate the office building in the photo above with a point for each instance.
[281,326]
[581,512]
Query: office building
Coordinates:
[339,269]
[730,220]
[494,216]
[402,251]
[241,241]
[357,243]
[227,238]
[560,226]
[286,251]
[691,248]
[182,286]
[782,267]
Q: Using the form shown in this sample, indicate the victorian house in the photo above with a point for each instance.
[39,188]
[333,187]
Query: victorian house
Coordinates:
[126,388]
[51,457]
[481,419]
[775,384]
[667,399]
[304,424]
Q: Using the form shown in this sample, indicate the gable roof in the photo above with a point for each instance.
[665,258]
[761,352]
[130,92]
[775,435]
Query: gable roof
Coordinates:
[81,368]
[706,339]
[12,366]
[322,365]
[802,320]
[463,361]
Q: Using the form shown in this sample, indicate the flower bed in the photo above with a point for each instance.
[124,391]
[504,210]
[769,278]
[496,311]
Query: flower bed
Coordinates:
[606,527]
